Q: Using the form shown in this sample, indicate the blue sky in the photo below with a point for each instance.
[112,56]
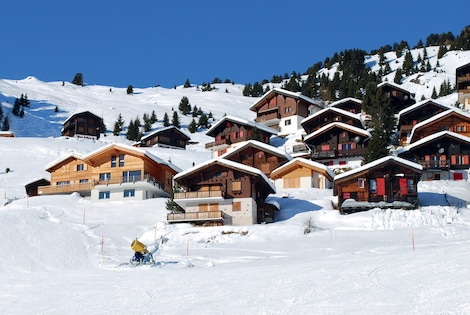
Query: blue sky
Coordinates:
[147,43]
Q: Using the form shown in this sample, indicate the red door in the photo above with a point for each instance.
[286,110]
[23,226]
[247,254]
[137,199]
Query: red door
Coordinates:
[380,186]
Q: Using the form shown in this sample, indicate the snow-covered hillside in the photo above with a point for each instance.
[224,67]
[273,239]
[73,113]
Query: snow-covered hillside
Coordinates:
[67,255]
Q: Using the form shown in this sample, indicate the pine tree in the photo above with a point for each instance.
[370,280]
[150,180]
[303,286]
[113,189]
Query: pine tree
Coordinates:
[130,89]
[1,112]
[187,84]
[147,123]
[398,76]
[377,105]
[6,124]
[16,107]
[131,131]
[408,64]
[175,121]
[203,121]
[166,120]
[184,107]
[153,117]
[21,113]
[78,79]
[118,125]
[24,102]
[434,93]
[192,128]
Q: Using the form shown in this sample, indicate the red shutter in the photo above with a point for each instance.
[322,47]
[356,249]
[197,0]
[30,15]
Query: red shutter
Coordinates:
[458,176]
[380,186]
[465,159]
[453,160]
[403,186]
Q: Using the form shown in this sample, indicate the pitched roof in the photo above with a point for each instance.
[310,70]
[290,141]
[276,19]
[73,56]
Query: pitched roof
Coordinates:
[118,146]
[296,95]
[432,137]
[393,85]
[259,145]
[340,125]
[241,121]
[418,105]
[229,164]
[441,115]
[344,100]
[415,166]
[156,132]
[334,109]
[81,113]
[292,164]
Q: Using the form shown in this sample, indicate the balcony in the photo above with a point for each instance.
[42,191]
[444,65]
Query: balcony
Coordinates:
[199,194]
[65,189]
[338,153]
[196,217]
[267,118]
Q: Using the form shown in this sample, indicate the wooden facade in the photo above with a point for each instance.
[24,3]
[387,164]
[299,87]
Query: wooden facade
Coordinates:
[283,110]
[411,116]
[443,155]
[462,84]
[302,173]
[348,104]
[450,120]
[389,182]
[32,187]
[258,155]
[222,192]
[231,131]
[84,124]
[330,115]
[108,169]
[337,140]
[169,137]
[399,97]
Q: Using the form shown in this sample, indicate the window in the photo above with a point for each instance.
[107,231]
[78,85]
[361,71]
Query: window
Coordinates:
[113,161]
[80,167]
[360,182]
[410,184]
[288,109]
[63,183]
[129,193]
[131,176]
[83,181]
[121,160]
[104,195]
[105,176]
[372,186]
[237,186]
[287,122]
[236,206]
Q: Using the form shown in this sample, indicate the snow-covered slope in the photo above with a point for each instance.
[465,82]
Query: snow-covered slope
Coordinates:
[66,255]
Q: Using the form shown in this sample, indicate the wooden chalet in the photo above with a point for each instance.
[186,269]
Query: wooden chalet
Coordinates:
[114,172]
[303,173]
[168,137]
[223,192]
[399,97]
[231,131]
[444,155]
[83,125]
[462,84]
[283,110]
[389,182]
[330,115]
[451,120]
[258,155]
[338,141]
[349,104]
[414,114]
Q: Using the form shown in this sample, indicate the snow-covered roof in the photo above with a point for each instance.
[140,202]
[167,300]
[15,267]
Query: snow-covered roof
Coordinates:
[418,105]
[334,109]
[312,164]
[230,164]
[437,117]
[393,85]
[377,162]
[339,125]
[110,146]
[433,137]
[80,112]
[296,95]
[153,133]
[62,159]
[344,100]
[260,145]
[241,121]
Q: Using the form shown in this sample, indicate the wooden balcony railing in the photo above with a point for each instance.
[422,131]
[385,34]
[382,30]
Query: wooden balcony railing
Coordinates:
[199,194]
[217,143]
[339,153]
[195,216]
[267,116]
[62,189]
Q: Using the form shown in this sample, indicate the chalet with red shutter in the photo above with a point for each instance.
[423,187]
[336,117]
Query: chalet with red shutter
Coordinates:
[400,98]
[462,84]
[167,137]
